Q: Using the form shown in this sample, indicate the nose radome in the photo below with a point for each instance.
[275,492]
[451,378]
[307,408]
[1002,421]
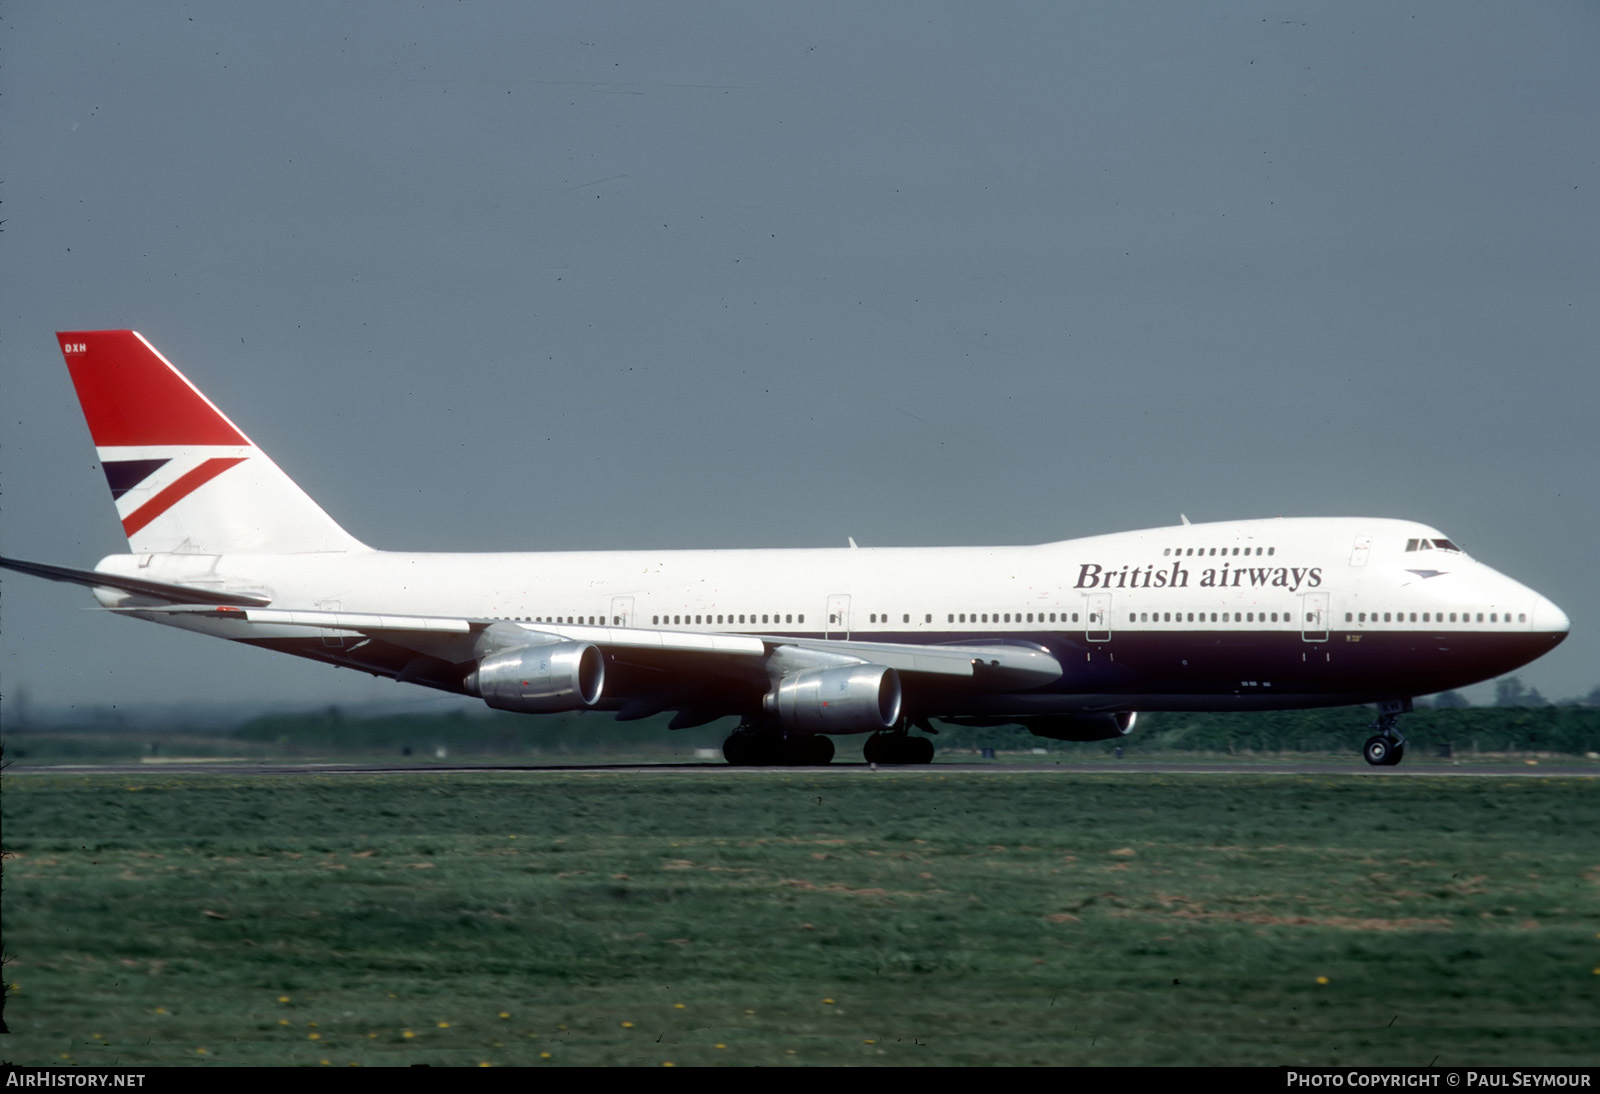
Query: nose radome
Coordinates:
[1549,619]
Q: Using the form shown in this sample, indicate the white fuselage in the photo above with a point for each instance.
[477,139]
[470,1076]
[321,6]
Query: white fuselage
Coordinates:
[1196,615]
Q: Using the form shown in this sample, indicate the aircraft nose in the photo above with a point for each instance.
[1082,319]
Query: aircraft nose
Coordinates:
[1549,619]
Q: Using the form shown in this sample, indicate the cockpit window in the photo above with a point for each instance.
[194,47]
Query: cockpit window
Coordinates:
[1431,545]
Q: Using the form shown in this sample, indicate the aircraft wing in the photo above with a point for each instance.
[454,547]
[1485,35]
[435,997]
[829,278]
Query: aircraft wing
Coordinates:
[654,670]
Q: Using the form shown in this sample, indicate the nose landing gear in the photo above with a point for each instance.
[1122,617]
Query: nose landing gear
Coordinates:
[1386,747]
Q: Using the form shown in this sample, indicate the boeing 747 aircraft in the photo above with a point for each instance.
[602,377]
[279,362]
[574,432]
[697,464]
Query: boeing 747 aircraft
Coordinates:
[1069,639]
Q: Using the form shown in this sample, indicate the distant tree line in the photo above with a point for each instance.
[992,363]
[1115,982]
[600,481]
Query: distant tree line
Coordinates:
[1434,731]
[1521,722]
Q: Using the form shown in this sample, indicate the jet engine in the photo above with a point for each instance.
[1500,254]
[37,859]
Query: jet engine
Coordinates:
[543,679]
[846,699]
[1081,727]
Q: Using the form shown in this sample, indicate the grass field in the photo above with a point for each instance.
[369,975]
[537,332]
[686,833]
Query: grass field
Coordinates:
[772,917]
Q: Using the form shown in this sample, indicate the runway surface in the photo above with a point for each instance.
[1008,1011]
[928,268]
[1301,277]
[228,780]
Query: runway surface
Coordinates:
[1353,768]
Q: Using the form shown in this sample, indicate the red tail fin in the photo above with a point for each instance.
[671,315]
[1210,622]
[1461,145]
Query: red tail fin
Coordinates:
[131,395]
[184,478]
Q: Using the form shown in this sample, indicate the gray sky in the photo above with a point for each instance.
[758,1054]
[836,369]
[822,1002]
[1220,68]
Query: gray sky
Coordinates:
[507,276]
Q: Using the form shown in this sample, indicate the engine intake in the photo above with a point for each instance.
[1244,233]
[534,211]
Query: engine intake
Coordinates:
[544,679]
[847,699]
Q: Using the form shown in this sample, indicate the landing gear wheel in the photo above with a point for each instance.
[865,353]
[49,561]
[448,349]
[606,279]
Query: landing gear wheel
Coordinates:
[878,749]
[752,749]
[809,751]
[897,748]
[736,750]
[1387,747]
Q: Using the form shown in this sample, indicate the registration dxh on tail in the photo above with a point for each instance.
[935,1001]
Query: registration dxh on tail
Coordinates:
[1068,639]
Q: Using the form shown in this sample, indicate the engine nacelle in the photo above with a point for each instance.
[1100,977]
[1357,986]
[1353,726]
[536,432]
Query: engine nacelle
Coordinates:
[1081,727]
[847,699]
[544,679]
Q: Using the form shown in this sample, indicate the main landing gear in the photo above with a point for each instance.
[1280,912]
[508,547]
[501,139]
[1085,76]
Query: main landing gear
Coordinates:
[755,748]
[897,748]
[1387,747]
[749,746]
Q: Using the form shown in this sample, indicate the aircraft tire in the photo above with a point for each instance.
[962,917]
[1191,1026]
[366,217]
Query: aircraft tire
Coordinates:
[752,750]
[876,750]
[1380,751]
[812,750]
[897,748]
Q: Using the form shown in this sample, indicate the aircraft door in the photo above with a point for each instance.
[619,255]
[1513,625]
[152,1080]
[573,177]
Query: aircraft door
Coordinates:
[621,611]
[836,620]
[1314,617]
[1359,550]
[1097,627]
[330,639]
